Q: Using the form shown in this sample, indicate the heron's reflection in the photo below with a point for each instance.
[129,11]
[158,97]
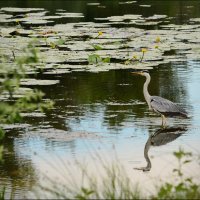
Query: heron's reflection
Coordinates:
[160,137]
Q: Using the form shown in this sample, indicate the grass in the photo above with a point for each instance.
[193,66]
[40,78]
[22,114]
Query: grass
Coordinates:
[114,183]
[109,180]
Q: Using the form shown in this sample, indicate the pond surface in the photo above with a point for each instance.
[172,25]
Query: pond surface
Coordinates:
[105,112]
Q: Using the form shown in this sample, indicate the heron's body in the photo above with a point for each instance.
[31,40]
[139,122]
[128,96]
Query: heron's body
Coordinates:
[161,105]
[166,107]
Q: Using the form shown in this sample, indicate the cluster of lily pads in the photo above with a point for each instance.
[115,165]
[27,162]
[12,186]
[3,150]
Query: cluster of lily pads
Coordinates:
[115,42]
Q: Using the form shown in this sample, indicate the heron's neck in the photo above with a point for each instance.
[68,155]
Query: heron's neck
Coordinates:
[146,156]
[145,90]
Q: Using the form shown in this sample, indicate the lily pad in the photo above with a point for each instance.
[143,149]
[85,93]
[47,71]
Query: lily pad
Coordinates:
[5,17]
[156,17]
[15,126]
[196,20]
[20,10]
[58,71]
[145,6]
[93,4]
[70,15]
[30,82]
[127,2]
[33,114]
[145,23]
[37,22]
[82,39]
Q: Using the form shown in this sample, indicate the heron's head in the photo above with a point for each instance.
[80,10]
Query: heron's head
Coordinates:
[141,73]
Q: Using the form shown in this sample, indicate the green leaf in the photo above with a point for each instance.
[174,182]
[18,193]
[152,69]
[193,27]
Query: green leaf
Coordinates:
[165,190]
[52,45]
[187,161]
[2,193]
[85,194]
[94,59]
[106,60]
[97,47]
[60,42]
[1,154]
[180,187]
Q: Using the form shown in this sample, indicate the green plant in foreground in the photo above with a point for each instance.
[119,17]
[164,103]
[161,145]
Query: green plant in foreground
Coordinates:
[2,193]
[184,187]
[10,110]
[114,183]
[108,181]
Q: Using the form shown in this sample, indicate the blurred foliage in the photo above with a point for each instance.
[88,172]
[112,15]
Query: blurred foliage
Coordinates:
[184,187]
[2,193]
[11,109]
[115,183]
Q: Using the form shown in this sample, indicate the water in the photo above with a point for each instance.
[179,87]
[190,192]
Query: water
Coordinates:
[104,113]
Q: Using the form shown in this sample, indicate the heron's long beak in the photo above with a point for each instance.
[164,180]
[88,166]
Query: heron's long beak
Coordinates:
[137,73]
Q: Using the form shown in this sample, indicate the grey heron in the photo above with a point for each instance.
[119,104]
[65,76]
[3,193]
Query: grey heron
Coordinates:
[164,107]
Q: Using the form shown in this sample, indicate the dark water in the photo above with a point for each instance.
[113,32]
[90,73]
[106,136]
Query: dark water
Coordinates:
[108,106]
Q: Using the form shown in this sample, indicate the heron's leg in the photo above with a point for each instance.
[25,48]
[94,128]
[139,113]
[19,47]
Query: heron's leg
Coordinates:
[163,121]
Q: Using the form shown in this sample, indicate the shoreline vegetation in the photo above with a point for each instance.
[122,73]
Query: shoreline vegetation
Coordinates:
[112,181]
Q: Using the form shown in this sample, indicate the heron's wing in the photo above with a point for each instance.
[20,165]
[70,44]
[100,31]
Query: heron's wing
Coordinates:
[164,136]
[165,106]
